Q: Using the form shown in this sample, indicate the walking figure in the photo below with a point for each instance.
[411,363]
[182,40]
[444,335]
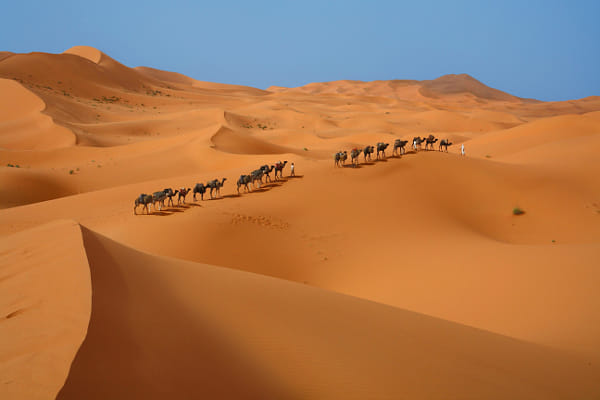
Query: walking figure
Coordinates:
[462,149]
[292,173]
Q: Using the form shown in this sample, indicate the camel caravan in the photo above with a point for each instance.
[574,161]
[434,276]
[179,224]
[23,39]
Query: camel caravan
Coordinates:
[157,200]
[398,149]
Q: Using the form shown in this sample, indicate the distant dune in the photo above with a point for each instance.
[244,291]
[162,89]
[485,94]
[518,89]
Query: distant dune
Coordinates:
[426,275]
[442,86]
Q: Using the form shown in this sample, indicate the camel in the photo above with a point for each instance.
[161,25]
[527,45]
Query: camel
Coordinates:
[199,188]
[279,168]
[368,151]
[182,193]
[354,157]
[399,144]
[429,141]
[267,171]
[340,158]
[417,142]
[143,199]
[445,143]
[381,149]
[244,180]
[257,175]
[215,185]
[170,194]
[159,197]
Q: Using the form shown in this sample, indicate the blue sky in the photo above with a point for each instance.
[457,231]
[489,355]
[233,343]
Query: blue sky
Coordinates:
[549,50]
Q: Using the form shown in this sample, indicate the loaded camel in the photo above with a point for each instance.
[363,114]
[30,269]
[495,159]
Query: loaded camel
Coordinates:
[256,175]
[182,193]
[200,188]
[430,141]
[445,143]
[354,157]
[244,180]
[159,197]
[368,151]
[381,149]
[267,170]
[170,194]
[279,169]
[399,144]
[143,199]
[340,158]
[216,186]
[417,142]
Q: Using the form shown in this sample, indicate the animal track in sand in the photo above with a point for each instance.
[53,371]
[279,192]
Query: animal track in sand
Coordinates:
[261,220]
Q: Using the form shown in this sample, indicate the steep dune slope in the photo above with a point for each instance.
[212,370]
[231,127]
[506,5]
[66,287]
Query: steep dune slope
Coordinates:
[45,303]
[22,124]
[162,327]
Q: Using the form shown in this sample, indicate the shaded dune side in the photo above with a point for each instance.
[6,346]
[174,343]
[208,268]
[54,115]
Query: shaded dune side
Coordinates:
[169,328]
[5,54]
[45,303]
[22,124]
[230,141]
[463,83]
[73,73]
[23,186]
[165,76]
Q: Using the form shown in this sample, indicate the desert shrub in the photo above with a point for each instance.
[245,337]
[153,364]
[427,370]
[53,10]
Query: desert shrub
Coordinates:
[518,211]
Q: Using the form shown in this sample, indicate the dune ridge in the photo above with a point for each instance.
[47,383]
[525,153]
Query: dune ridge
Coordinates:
[233,332]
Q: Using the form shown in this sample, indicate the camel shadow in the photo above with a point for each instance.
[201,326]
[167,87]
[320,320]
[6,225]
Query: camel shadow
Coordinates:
[188,205]
[353,166]
[295,177]
[382,160]
[174,210]
[261,189]
[160,214]
[228,196]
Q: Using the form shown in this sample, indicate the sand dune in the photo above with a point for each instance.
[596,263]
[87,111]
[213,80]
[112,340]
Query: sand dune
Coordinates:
[23,126]
[463,83]
[45,305]
[195,326]
[565,128]
[300,288]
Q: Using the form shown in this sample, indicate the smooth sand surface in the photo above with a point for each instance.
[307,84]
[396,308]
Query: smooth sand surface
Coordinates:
[407,277]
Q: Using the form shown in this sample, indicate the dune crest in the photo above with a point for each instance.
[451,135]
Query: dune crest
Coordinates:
[218,333]
[87,52]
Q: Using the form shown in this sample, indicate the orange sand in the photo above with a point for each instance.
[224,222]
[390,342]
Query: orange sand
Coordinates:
[408,277]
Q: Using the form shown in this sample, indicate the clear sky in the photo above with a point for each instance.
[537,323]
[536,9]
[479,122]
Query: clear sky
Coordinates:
[549,50]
